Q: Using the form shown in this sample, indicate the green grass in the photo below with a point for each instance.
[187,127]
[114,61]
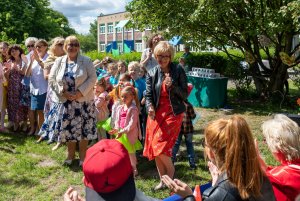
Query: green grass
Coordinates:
[30,171]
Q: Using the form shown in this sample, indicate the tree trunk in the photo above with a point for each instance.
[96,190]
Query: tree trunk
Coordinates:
[276,83]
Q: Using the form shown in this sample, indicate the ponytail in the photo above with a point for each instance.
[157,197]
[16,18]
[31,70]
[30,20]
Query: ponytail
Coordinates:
[232,142]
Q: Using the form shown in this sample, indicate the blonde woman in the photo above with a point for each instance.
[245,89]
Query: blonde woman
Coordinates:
[166,89]
[233,163]
[72,116]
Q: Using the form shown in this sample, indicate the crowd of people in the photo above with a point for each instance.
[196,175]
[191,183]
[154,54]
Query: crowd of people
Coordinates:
[69,99]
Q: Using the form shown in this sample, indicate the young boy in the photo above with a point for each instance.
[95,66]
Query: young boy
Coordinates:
[187,129]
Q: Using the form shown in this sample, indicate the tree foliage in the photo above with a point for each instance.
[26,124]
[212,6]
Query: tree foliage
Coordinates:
[248,25]
[22,18]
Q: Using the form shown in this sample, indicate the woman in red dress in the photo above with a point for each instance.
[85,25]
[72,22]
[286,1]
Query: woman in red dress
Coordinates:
[166,89]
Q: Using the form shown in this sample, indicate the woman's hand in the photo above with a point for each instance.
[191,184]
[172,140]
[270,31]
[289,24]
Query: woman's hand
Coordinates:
[177,186]
[213,171]
[72,195]
[168,80]
[151,112]
[36,55]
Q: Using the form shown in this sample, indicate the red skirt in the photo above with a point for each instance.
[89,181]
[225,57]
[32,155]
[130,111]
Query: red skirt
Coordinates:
[162,132]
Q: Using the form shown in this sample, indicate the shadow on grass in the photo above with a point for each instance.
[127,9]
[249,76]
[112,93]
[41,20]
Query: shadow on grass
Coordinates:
[17,181]
[9,142]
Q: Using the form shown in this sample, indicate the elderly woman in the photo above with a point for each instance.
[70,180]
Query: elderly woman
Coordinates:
[148,59]
[166,89]
[283,138]
[38,84]
[29,43]
[233,163]
[72,116]
[17,113]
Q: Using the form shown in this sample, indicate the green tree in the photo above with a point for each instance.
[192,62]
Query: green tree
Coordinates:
[94,29]
[87,42]
[20,18]
[248,25]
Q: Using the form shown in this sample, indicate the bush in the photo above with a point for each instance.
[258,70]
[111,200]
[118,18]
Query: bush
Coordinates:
[218,61]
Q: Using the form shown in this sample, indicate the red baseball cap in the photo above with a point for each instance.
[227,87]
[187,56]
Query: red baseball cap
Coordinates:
[108,172]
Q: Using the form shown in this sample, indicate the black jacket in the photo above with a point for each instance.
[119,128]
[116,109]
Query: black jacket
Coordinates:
[223,190]
[177,93]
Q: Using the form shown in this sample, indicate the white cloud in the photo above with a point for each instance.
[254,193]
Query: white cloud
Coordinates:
[81,13]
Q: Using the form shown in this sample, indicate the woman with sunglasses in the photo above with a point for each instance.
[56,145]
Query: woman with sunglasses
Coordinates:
[166,89]
[56,50]
[38,84]
[25,99]
[233,163]
[73,115]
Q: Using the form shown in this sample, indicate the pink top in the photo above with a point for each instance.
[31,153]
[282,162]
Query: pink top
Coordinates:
[123,114]
[131,122]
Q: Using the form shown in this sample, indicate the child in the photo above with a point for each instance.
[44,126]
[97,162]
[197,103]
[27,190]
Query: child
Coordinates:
[112,70]
[134,72]
[127,126]
[121,67]
[187,130]
[101,105]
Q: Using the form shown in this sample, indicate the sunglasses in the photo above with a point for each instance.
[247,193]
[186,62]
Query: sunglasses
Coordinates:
[29,46]
[59,44]
[73,44]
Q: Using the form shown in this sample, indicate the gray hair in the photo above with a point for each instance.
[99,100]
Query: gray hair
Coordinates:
[29,40]
[283,136]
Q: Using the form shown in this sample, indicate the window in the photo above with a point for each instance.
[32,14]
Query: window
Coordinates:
[110,28]
[102,47]
[120,46]
[102,28]
[119,29]
[127,29]
[138,46]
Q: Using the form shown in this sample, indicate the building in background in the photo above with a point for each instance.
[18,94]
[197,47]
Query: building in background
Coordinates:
[113,34]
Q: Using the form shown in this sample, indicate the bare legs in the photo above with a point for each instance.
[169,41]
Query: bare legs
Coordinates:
[164,166]
[31,122]
[71,151]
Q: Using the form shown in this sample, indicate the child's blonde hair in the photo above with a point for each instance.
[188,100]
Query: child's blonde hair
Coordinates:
[131,90]
[135,65]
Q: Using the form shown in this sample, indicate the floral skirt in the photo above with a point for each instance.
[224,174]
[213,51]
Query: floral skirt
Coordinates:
[70,121]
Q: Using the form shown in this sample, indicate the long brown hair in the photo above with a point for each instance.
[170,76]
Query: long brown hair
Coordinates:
[232,143]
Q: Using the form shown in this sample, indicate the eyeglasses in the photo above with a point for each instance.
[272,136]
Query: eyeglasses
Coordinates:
[162,57]
[29,46]
[73,44]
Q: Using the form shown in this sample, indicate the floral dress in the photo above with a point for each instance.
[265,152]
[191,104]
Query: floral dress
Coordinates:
[16,111]
[71,120]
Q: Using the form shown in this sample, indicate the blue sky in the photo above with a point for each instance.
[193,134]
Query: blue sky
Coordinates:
[81,13]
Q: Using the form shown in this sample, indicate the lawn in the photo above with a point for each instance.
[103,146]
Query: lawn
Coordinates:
[32,171]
